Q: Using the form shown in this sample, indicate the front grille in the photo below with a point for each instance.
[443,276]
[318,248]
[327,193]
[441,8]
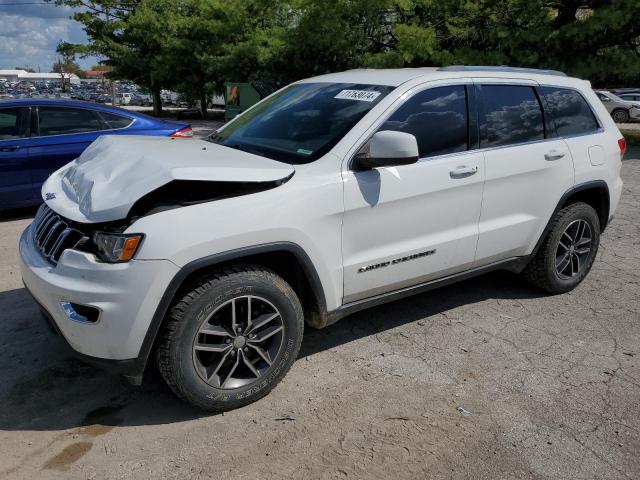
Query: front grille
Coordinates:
[53,234]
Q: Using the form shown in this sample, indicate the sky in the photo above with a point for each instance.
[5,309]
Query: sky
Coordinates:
[30,32]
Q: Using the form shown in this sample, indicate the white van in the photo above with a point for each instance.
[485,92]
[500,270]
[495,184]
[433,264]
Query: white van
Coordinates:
[124,98]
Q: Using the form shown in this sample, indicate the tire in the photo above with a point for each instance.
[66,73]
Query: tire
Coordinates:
[546,269]
[210,367]
[620,116]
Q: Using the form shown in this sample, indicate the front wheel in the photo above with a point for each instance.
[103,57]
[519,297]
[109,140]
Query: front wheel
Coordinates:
[231,339]
[568,251]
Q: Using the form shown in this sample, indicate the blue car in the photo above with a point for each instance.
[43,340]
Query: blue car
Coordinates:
[39,136]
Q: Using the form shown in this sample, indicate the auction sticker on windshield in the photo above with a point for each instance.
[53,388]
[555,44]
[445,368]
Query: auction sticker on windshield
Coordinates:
[361,95]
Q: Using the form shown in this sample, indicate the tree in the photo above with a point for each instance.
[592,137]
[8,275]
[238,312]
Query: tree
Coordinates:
[66,66]
[183,35]
[333,35]
[132,49]
[194,46]
[594,39]
[138,48]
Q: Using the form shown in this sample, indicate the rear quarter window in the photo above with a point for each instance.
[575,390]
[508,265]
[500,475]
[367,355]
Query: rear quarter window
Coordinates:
[114,121]
[569,111]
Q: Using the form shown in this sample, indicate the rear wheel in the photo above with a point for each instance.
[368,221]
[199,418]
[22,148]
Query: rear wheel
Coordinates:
[620,116]
[231,339]
[568,251]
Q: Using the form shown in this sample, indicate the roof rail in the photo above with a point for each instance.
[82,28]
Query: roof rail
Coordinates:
[501,68]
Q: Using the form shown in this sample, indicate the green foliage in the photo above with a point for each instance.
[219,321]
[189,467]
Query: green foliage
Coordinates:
[632,137]
[594,39]
[194,46]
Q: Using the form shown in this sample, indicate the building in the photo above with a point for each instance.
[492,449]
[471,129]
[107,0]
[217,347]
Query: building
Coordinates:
[23,75]
[95,73]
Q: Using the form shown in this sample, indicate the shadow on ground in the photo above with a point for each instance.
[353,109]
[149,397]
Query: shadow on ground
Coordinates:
[45,388]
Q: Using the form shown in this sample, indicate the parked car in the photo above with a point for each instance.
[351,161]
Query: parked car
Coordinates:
[39,136]
[621,110]
[141,100]
[334,194]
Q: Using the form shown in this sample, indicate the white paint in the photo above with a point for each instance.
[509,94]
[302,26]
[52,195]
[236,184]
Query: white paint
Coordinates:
[344,220]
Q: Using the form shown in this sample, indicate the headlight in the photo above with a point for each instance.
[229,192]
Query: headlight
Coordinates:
[116,247]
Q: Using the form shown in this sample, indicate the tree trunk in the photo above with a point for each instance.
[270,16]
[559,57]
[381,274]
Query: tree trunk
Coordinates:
[157,101]
[567,11]
[203,103]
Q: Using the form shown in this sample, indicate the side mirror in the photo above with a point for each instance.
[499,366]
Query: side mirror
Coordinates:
[388,148]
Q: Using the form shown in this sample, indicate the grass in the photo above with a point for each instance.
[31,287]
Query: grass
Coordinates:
[632,137]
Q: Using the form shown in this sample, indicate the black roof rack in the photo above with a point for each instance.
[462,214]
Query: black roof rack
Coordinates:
[501,68]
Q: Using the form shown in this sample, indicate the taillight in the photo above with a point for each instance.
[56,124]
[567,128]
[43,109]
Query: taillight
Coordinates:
[185,132]
[622,143]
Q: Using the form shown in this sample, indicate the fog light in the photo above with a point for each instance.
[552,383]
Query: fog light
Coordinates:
[81,313]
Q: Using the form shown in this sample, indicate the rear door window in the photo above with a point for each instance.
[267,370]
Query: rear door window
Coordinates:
[67,120]
[511,114]
[569,111]
[114,121]
[14,123]
[437,117]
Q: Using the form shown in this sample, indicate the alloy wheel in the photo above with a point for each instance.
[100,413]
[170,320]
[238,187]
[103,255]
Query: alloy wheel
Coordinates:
[574,249]
[238,343]
[620,116]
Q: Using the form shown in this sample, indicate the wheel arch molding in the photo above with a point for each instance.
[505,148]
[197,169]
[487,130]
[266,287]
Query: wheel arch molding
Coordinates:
[302,276]
[594,193]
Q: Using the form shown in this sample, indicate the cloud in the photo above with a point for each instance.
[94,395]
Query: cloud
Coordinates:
[44,10]
[30,33]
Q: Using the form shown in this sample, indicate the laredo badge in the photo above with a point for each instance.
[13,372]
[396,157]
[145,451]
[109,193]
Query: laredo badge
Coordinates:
[396,260]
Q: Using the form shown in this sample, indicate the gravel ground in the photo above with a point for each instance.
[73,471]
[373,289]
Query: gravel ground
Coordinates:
[486,379]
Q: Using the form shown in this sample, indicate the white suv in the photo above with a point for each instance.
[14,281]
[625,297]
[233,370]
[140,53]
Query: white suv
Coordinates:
[333,194]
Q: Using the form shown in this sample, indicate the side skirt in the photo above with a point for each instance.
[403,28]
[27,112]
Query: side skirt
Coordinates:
[514,264]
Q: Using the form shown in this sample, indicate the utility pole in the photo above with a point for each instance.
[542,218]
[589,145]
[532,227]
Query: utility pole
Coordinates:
[113,82]
[61,73]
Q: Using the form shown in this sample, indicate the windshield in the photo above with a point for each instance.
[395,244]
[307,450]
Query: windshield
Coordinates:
[302,122]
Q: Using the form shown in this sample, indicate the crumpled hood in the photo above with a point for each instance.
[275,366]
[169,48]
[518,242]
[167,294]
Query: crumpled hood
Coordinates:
[115,171]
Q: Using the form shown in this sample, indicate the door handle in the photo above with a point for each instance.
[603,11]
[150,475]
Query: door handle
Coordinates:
[9,148]
[553,155]
[463,171]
